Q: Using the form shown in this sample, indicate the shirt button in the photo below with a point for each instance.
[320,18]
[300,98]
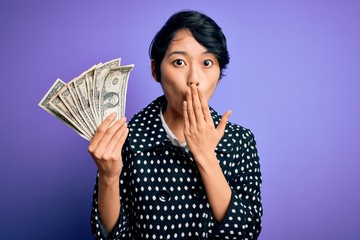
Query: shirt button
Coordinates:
[196,192]
[164,196]
[159,149]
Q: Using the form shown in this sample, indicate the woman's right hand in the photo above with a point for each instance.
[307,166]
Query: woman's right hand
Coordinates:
[106,146]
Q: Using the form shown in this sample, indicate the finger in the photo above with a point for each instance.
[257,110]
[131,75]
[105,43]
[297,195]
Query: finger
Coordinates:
[223,121]
[102,145]
[205,108]
[116,137]
[186,117]
[101,130]
[109,134]
[199,116]
[190,110]
[121,141]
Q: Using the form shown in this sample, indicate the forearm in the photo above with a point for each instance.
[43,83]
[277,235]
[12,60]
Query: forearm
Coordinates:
[216,187]
[109,202]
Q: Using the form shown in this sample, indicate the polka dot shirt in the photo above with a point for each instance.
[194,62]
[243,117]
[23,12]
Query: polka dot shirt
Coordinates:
[162,195]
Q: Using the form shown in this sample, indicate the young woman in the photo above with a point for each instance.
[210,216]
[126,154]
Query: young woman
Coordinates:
[178,170]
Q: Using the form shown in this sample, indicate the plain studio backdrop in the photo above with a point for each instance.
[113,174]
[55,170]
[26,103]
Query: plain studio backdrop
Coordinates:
[293,79]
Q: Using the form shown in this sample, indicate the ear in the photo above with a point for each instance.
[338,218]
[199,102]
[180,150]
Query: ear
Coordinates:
[153,73]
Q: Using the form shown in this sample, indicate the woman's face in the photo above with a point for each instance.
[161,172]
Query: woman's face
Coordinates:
[187,62]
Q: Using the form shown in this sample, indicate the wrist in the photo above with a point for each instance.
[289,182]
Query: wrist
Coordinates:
[206,162]
[106,180]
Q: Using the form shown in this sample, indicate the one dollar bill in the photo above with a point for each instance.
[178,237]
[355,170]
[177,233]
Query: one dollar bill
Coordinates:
[85,101]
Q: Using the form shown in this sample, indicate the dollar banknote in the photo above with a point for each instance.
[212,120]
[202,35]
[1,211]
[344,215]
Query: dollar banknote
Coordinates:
[85,101]
[57,86]
[100,73]
[113,92]
[67,100]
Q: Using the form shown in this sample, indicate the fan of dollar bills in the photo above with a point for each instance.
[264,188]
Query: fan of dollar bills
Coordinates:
[85,101]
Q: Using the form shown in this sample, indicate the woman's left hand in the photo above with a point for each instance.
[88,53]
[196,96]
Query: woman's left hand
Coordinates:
[200,133]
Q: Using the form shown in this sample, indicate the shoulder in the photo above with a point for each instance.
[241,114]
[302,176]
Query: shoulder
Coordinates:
[145,127]
[235,136]
[239,132]
[150,111]
[232,130]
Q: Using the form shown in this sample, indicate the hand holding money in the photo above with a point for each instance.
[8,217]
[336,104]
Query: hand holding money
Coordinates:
[88,99]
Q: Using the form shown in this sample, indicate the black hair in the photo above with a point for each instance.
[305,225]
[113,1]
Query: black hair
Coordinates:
[204,30]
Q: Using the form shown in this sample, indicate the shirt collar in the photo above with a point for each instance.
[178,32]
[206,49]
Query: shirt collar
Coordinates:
[169,133]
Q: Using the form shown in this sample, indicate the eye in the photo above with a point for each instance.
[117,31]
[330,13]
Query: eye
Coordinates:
[179,62]
[208,63]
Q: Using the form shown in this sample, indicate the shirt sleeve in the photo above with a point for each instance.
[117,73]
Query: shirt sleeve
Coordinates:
[243,218]
[99,231]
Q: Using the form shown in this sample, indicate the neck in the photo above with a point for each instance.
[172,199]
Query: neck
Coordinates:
[175,122]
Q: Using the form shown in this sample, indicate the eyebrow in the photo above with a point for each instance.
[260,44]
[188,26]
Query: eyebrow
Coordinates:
[184,53]
[176,52]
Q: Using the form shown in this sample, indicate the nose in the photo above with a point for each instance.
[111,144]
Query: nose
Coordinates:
[194,76]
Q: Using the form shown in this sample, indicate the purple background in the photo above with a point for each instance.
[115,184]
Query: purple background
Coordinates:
[293,79]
